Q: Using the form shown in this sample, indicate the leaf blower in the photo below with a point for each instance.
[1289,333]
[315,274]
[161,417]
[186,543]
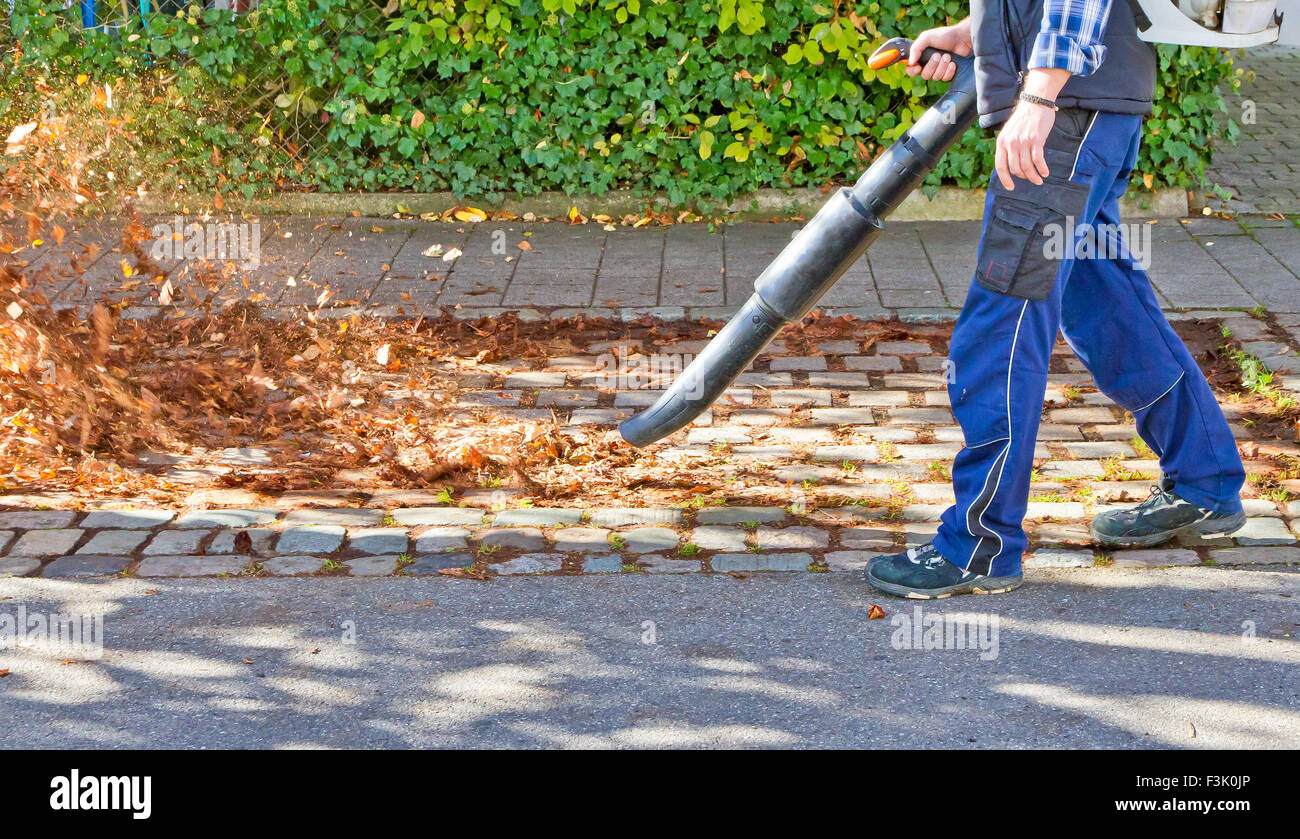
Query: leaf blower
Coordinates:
[819,255]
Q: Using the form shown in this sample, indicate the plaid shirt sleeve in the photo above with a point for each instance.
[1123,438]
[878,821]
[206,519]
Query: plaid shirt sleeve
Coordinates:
[1070,37]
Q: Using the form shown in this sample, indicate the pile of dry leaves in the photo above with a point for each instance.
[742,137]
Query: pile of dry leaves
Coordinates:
[80,399]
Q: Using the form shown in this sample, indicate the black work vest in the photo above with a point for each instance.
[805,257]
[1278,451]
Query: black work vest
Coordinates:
[1003,33]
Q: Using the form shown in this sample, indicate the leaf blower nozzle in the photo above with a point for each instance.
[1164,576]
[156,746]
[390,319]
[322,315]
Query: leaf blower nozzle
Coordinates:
[818,256]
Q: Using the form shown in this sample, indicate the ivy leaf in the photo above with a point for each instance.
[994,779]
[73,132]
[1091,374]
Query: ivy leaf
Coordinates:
[738,151]
[749,14]
[726,16]
[706,144]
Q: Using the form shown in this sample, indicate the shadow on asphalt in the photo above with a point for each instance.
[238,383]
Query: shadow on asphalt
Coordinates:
[1101,658]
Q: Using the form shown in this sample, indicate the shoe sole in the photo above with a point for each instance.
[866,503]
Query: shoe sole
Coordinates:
[1209,527]
[988,585]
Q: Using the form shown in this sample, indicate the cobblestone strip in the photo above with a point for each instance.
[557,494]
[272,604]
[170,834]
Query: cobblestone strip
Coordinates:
[536,540]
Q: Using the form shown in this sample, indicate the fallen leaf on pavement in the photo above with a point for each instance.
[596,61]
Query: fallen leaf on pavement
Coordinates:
[464,573]
[469,214]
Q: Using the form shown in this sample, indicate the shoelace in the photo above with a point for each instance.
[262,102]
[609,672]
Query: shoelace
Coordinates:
[1156,494]
[925,555]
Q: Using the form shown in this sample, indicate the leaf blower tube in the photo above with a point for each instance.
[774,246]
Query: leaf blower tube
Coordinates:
[818,256]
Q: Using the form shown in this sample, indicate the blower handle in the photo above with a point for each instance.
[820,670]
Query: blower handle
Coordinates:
[898,49]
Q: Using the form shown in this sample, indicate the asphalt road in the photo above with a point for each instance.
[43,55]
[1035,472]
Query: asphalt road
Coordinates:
[1087,658]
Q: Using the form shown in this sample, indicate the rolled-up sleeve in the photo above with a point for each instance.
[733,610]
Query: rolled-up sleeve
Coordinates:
[1070,37]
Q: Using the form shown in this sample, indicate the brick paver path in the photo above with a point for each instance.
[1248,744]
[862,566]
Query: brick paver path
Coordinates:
[1261,173]
[916,271]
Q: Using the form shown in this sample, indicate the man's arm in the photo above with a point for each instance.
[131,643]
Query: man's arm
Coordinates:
[1068,43]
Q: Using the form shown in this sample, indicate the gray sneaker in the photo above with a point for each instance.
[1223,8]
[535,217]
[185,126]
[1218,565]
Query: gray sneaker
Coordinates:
[923,574]
[1160,518]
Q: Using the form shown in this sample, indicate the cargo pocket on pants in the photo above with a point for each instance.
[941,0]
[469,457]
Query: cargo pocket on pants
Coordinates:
[1012,260]
[1026,240]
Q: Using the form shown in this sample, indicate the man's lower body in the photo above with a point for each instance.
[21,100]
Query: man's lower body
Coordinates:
[1030,284]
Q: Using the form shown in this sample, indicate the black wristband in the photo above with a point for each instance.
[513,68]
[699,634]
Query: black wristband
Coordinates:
[1038,100]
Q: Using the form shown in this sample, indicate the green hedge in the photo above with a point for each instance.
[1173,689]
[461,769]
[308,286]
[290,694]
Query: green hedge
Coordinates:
[702,100]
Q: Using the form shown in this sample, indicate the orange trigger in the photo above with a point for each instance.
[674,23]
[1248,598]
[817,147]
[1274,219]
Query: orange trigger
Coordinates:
[883,59]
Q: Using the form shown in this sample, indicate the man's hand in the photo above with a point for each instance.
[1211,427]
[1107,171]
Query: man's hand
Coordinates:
[955,38]
[1021,140]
